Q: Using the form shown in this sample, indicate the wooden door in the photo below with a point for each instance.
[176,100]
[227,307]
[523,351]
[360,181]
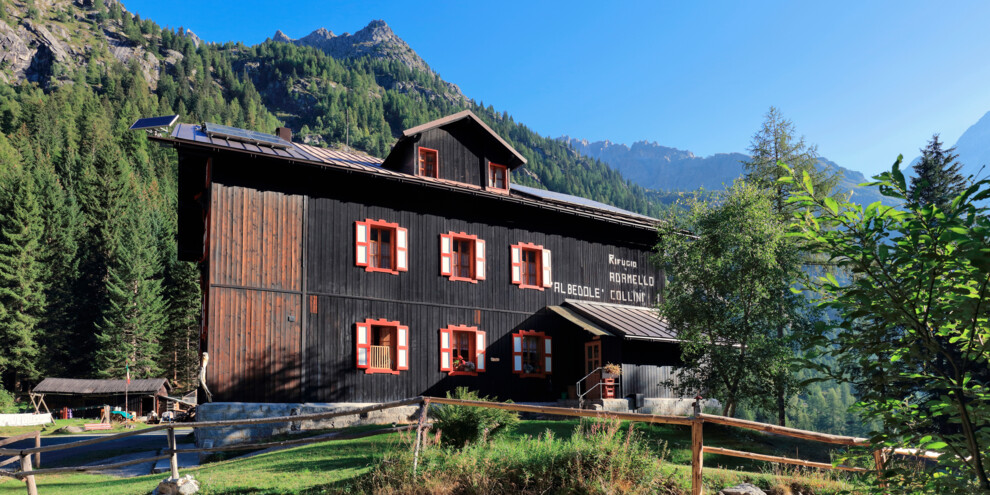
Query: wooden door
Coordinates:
[593,361]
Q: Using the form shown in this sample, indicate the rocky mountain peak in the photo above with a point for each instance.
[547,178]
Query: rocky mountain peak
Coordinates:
[375,40]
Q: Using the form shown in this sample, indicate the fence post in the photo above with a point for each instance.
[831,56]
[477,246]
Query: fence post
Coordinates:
[697,444]
[419,432]
[878,457]
[37,445]
[173,459]
[32,488]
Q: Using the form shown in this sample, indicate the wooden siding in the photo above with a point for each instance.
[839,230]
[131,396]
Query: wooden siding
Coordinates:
[256,238]
[255,349]
[458,161]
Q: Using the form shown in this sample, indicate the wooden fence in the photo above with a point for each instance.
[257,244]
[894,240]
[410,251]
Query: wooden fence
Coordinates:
[696,422]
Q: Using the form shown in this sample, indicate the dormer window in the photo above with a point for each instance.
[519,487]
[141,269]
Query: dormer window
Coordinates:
[428,162]
[498,176]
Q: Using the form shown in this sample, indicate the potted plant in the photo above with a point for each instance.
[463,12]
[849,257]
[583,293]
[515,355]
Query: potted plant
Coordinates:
[611,370]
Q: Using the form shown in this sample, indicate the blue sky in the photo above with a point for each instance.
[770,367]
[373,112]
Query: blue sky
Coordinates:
[865,81]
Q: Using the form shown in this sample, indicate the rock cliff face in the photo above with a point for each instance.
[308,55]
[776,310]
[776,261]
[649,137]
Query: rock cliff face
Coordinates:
[32,47]
[375,40]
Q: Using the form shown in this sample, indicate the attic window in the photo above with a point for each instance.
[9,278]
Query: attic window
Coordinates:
[498,176]
[428,163]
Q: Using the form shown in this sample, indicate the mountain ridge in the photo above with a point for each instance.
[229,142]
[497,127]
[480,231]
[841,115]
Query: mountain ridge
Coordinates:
[670,169]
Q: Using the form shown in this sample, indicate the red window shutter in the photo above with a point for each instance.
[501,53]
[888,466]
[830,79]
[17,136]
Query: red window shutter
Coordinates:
[479,261]
[547,365]
[445,352]
[446,255]
[516,264]
[361,243]
[401,250]
[402,347]
[517,366]
[363,347]
[547,280]
[479,350]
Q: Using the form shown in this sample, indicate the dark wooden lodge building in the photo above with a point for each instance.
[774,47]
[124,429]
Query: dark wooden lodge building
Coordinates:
[337,277]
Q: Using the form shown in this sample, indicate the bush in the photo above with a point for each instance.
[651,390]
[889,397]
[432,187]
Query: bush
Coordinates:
[7,405]
[598,458]
[461,425]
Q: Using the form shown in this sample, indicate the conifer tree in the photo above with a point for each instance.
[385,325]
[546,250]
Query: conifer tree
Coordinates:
[937,178]
[132,318]
[21,293]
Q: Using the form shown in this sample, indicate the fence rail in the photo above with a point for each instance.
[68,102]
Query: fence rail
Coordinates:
[696,422]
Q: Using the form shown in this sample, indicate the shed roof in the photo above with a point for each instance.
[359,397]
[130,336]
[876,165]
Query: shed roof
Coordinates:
[191,134]
[631,322]
[78,386]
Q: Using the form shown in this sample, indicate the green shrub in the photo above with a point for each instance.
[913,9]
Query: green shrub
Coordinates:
[460,425]
[598,458]
[7,405]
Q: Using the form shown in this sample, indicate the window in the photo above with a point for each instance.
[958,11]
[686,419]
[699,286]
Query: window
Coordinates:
[531,266]
[462,257]
[462,350]
[381,246]
[428,166]
[531,354]
[498,176]
[382,346]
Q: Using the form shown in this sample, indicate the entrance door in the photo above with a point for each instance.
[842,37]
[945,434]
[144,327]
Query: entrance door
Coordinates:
[593,361]
[592,356]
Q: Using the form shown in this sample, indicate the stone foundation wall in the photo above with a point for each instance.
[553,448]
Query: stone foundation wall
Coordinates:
[674,407]
[219,411]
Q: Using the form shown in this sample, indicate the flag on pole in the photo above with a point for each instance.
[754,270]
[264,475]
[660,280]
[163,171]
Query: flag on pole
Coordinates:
[127,369]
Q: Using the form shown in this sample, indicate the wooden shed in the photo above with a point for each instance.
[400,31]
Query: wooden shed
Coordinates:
[85,395]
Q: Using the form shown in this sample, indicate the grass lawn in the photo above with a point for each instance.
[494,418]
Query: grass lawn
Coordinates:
[322,468]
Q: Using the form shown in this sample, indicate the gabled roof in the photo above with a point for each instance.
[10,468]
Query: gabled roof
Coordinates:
[77,386]
[631,322]
[466,114]
[192,135]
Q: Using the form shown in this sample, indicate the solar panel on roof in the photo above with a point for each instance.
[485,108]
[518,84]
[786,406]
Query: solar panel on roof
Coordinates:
[575,200]
[154,122]
[245,136]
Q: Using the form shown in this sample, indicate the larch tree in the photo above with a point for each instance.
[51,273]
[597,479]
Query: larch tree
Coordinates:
[777,142]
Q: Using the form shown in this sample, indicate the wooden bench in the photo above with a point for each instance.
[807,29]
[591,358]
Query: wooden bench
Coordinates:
[97,426]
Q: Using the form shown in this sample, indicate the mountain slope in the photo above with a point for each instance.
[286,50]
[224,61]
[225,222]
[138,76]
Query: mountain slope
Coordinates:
[376,40]
[670,169]
[973,148]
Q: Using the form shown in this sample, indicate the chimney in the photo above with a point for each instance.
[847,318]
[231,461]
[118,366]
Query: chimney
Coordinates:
[284,133]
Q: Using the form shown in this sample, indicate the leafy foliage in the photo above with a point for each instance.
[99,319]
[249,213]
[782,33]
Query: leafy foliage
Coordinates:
[728,294]
[462,425]
[913,335]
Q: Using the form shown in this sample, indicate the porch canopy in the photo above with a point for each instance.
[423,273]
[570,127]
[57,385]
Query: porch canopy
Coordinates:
[627,322]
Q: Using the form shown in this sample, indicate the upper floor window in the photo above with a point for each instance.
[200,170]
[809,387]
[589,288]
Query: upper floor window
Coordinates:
[382,346]
[462,350]
[531,266]
[498,176]
[428,163]
[462,257]
[531,353]
[381,246]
